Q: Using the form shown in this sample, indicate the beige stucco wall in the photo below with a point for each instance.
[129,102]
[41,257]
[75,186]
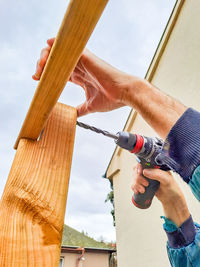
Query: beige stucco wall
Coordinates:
[140,238]
[92,259]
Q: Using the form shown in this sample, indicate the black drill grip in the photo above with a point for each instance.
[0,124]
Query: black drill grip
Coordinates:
[143,201]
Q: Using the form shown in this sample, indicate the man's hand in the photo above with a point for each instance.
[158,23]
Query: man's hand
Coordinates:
[169,193]
[105,87]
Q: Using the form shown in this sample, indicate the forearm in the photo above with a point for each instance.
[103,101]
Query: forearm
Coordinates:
[158,109]
[177,210]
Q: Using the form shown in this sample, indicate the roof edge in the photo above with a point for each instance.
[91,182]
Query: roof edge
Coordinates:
[156,59]
[72,249]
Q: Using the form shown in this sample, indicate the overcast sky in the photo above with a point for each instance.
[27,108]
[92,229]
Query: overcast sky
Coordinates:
[126,37]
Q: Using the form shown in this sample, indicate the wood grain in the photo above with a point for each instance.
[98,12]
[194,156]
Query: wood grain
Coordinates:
[77,26]
[33,204]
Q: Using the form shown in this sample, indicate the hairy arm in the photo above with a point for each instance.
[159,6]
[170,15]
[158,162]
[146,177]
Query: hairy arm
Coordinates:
[158,109]
[107,88]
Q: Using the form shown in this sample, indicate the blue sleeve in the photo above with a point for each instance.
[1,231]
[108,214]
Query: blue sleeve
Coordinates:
[181,150]
[183,246]
[188,256]
[182,144]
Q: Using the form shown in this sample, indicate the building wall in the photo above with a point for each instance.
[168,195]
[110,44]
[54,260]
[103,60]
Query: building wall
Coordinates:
[140,238]
[92,259]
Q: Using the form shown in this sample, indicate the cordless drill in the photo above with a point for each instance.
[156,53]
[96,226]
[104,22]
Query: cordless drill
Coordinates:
[147,151]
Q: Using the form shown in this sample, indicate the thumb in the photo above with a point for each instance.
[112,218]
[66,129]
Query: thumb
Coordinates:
[82,109]
[156,174]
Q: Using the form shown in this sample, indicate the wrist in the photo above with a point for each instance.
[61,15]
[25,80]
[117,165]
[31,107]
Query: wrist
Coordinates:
[176,210]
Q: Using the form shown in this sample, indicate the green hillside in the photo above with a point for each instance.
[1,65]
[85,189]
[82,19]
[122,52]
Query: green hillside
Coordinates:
[71,237]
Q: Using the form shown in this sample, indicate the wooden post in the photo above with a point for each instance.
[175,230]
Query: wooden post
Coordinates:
[33,204]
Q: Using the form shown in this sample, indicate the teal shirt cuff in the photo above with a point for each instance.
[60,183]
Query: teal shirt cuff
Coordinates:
[179,236]
[169,225]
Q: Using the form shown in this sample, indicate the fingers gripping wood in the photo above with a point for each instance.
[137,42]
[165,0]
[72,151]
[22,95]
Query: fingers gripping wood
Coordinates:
[79,22]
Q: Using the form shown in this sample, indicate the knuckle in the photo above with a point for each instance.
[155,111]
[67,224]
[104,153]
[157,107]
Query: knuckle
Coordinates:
[133,187]
[141,189]
[145,182]
[44,50]
[39,62]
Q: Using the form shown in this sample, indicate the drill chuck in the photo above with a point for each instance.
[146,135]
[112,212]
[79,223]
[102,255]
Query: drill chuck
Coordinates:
[126,140]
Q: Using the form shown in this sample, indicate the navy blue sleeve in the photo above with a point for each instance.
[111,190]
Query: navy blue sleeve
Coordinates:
[182,145]
[180,236]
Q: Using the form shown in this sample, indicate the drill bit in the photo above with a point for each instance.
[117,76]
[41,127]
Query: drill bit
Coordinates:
[96,130]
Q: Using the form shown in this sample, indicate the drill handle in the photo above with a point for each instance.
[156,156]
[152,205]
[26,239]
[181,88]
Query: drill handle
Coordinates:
[143,201]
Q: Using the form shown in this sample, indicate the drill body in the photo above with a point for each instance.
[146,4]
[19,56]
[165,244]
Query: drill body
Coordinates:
[147,151]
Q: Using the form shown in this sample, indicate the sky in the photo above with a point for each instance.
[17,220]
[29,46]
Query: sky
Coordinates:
[126,36]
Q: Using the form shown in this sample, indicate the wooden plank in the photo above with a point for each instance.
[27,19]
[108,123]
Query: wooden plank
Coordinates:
[33,204]
[77,26]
